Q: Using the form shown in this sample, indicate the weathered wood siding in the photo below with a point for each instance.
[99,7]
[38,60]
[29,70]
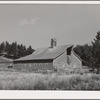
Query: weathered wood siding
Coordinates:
[5,65]
[34,66]
[60,62]
[75,61]
[67,61]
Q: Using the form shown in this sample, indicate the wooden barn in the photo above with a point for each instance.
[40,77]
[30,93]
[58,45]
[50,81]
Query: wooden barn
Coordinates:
[50,58]
[5,62]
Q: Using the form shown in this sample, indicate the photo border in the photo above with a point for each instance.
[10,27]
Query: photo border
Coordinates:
[34,94]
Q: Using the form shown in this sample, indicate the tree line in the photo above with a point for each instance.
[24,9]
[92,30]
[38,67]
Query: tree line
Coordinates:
[14,50]
[90,54]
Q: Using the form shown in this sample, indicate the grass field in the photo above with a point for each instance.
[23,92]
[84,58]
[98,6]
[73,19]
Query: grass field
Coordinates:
[11,80]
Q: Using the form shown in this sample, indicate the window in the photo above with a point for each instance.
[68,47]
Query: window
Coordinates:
[35,64]
[40,64]
[46,64]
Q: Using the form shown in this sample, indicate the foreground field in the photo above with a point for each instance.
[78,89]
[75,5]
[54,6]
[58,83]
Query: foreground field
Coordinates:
[31,81]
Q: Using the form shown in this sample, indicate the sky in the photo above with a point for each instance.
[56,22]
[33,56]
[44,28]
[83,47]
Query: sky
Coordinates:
[36,24]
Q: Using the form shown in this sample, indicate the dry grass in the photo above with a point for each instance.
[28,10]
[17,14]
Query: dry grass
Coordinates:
[32,81]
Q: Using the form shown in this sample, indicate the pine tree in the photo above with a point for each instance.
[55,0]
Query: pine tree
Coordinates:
[7,48]
[30,50]
[84,51]
[14,50]
[96,51]
[2,48]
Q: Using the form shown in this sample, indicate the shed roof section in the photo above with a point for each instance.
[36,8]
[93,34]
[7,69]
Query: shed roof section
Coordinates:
[45,53]
[5,60]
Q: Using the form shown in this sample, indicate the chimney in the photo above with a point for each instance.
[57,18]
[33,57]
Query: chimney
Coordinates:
[53,42]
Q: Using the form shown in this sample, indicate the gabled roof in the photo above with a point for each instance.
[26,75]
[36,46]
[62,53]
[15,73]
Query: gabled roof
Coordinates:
[4,60]
[46,53]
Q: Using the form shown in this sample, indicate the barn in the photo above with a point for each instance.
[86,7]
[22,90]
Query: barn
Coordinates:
[5,62]
[50,58]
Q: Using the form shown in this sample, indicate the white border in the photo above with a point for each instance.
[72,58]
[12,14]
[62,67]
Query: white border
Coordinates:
[49,2]
[15,94]
[49,94]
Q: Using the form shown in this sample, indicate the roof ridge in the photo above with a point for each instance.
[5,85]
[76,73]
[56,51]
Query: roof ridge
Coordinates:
[56,46]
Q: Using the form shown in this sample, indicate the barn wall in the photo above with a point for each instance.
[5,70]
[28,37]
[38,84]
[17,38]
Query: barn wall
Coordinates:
[67,62]
[5,65]
[61,61]
[34,66]
[75,61]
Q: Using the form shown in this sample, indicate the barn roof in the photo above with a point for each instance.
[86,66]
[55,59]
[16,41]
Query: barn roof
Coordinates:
[46,53]
[4,60]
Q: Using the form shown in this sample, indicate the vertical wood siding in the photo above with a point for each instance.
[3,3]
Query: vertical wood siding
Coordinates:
[75,61]
[5,65]
[60,62]
[67,61]
[34,66]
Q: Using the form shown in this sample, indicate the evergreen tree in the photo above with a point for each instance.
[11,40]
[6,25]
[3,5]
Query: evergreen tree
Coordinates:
[30,50]
[90,53]
[7,48]
[2,48]
[21,51]
[14,50]
[84,51]
[96,51]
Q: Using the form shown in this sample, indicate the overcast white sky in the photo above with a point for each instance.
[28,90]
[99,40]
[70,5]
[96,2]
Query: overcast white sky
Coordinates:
[36,24]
